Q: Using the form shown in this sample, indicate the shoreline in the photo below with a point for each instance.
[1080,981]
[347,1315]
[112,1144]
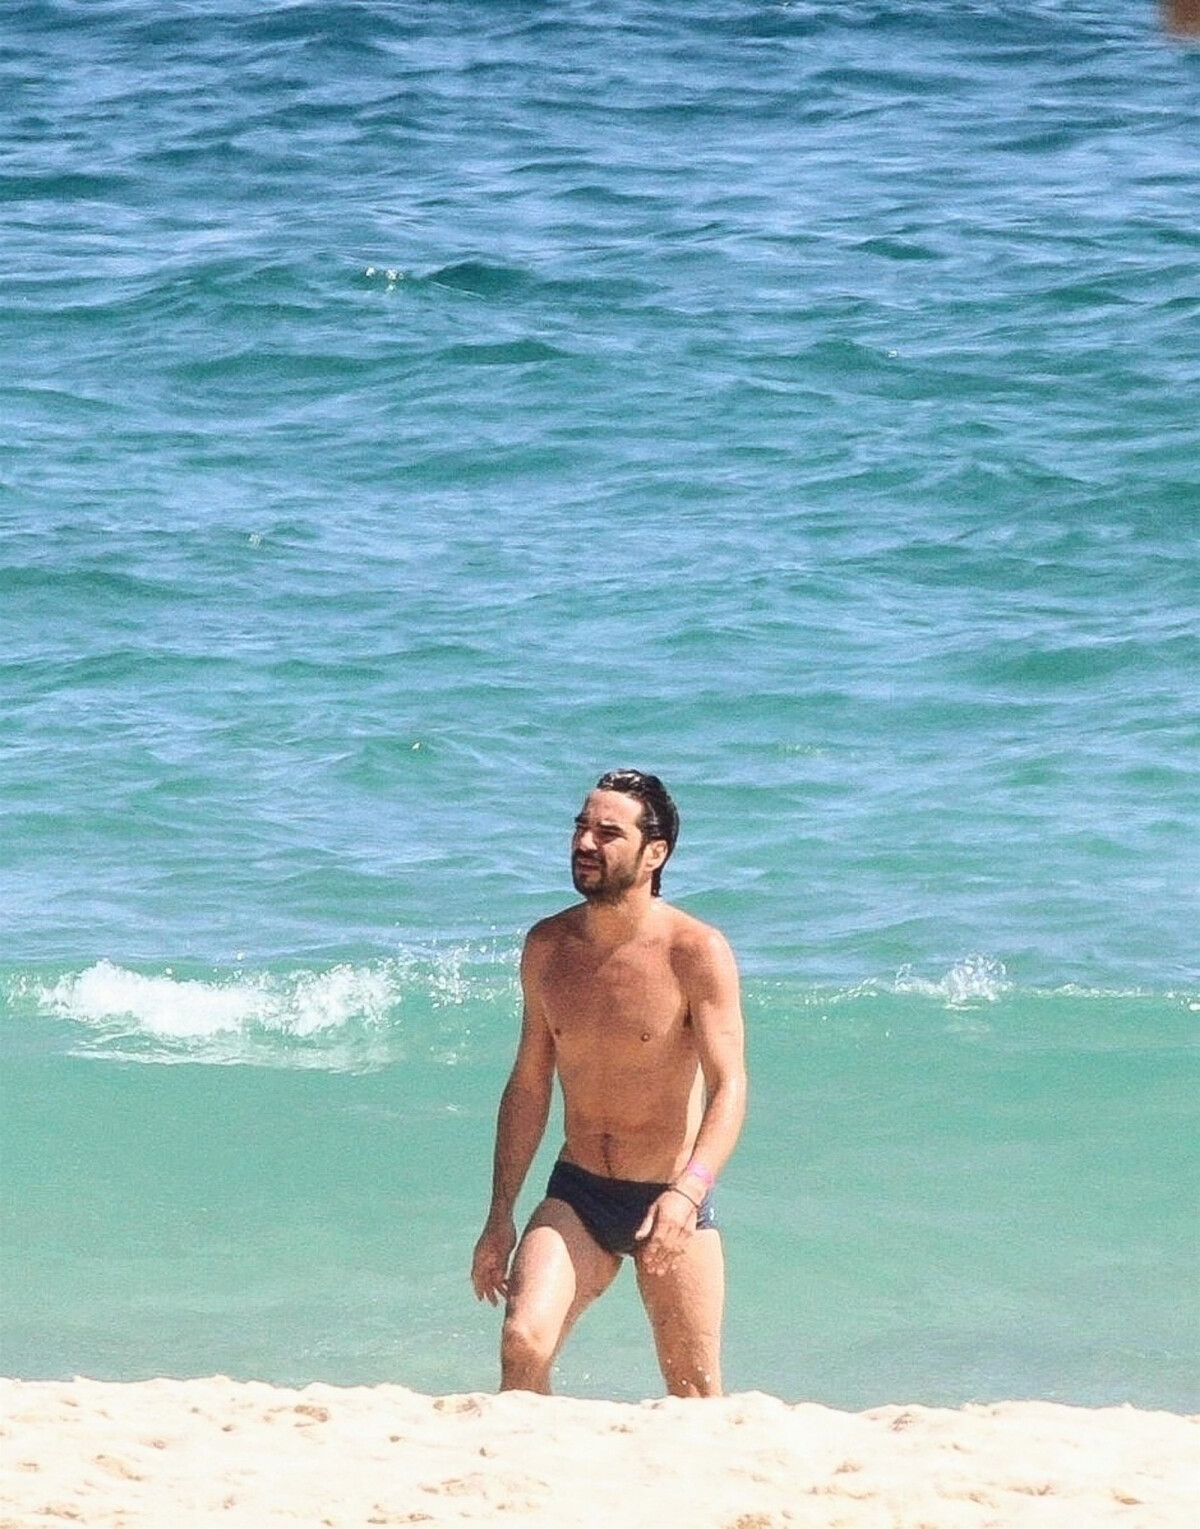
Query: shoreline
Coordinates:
[165,1454]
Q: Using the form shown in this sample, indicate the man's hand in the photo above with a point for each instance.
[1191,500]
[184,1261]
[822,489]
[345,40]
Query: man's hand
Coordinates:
[489,1267]
[666,1231]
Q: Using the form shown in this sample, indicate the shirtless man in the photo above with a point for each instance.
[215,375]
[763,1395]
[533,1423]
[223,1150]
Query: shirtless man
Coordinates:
[635,1006]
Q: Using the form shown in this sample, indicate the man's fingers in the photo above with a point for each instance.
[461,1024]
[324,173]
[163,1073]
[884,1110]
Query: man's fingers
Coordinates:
[489,1266]
[667,1242]
[489,1277]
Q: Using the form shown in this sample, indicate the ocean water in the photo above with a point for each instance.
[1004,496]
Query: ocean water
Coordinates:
[411,411]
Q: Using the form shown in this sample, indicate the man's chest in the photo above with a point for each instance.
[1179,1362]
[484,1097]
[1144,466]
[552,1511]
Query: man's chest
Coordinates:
[632,995]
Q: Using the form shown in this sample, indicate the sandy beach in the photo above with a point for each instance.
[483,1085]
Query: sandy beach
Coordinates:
[169,1453]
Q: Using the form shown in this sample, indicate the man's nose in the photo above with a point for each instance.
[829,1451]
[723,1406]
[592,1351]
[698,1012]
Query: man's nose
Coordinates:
[585,839]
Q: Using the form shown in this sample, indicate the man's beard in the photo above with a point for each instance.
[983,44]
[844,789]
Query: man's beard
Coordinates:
[601,887]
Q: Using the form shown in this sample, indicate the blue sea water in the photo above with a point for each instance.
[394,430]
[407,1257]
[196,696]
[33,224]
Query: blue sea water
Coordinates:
[411,411]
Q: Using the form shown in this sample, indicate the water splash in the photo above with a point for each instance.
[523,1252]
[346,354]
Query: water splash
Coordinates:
[345,1017]
[973,980]
[189,1008]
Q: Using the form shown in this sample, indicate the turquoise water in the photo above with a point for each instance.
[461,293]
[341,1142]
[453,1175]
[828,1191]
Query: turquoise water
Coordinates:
[414,410]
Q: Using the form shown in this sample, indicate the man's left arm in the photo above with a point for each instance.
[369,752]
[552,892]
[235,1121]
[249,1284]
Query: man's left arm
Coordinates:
[716,1014]
[714,1006]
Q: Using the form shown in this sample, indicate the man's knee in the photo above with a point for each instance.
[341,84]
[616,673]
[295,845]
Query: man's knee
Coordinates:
[525,1345]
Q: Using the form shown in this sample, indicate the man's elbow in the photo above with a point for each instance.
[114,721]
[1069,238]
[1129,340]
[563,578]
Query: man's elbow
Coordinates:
[728,1091]
[527,1092]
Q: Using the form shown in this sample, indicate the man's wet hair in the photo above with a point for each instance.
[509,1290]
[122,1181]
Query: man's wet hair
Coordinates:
[660,816]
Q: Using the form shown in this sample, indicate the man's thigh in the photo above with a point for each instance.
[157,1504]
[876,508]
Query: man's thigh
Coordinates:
[558,1271]
[686,1306]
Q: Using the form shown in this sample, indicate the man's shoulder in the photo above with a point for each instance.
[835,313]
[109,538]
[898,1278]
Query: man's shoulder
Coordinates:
[558,926]
[692,937]
[702,959]
[548,936]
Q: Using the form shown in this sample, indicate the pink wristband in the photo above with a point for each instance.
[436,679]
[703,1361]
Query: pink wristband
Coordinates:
[696,1170]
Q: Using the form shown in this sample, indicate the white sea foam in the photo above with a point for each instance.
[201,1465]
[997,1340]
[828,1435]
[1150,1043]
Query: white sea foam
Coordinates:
[184,1008]
[346,1016]
[973,980]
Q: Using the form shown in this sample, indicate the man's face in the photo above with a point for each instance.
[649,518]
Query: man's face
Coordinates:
[608,853]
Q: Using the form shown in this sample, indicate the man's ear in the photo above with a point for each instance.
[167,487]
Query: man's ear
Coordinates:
[655,854]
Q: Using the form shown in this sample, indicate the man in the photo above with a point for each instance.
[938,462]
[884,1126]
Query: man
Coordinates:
[634,1005]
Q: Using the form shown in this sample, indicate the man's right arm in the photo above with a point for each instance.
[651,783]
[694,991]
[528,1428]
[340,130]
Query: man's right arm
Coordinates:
[520,1124]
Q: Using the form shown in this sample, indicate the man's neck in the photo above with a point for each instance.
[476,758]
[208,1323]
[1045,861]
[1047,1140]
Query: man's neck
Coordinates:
[612,924]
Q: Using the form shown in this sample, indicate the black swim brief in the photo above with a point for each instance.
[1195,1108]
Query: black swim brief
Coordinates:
[612,1209]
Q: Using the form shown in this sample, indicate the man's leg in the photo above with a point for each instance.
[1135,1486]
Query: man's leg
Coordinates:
[685,1306]
[558,1271]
